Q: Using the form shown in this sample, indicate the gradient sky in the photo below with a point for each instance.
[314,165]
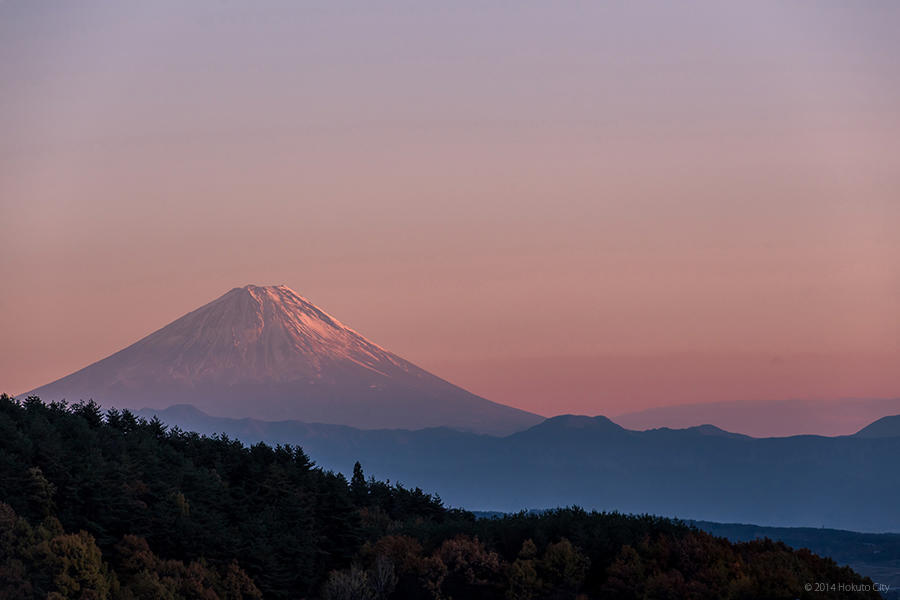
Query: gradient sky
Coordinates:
[567,207]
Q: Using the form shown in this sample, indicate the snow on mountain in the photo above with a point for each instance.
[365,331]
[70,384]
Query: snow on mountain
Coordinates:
[269,353]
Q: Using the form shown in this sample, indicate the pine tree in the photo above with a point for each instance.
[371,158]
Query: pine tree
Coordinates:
[359,489]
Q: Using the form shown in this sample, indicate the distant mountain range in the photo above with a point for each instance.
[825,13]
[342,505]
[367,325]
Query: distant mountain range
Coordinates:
[768,418]
[269,352]
[703,473]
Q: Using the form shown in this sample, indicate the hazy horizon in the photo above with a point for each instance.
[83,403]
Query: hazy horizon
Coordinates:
[566,208]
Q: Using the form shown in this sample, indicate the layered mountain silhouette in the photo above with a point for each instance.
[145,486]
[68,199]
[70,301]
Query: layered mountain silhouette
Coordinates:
[702,472]
[269,353]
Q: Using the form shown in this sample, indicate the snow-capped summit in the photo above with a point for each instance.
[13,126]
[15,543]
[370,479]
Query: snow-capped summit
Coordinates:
[269,353]
[267,334]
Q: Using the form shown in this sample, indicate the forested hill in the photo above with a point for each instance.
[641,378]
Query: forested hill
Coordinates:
[100,505]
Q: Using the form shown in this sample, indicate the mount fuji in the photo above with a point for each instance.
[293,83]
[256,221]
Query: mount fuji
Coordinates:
[268,353]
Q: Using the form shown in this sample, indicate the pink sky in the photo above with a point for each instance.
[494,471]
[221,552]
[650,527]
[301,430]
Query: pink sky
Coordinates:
[563,207]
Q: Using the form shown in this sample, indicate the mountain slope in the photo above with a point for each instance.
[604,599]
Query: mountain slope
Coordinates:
[884,427]
[269,353]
